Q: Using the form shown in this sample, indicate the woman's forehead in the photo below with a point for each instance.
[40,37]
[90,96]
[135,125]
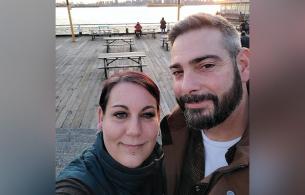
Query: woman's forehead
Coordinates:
[127,92]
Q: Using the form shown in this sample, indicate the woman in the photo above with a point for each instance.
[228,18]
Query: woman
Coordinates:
[125,159]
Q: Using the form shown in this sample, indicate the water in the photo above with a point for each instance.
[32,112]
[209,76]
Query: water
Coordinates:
[120,15]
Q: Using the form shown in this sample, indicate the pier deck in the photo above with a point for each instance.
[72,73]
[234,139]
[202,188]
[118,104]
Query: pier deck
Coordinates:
[79,84]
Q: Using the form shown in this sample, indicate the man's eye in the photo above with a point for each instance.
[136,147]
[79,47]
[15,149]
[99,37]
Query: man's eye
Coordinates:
[177,73]
[148,115]
[208,66]
[120,115]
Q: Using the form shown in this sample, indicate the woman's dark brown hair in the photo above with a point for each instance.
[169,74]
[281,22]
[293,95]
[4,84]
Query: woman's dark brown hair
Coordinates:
[137,78]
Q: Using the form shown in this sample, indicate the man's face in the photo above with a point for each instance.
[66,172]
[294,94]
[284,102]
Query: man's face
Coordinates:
[206,83]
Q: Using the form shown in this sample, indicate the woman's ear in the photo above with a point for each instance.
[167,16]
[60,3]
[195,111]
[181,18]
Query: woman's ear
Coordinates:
[100,118]
[243,62]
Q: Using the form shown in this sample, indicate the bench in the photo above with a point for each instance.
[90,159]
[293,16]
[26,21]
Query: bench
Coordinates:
[113,41]
[165,42]
[117,45]
[108,58]
[100,32]
[124,66]
[149,31]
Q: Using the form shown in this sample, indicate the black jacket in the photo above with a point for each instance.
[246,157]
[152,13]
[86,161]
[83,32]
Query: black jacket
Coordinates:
[96,172]
[245,42]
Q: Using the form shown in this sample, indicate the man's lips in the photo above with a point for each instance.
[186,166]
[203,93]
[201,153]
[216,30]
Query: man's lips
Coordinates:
[197,104]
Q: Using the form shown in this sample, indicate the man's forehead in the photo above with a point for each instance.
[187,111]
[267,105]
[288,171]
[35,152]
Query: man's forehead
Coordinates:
[205,33]
[196,44]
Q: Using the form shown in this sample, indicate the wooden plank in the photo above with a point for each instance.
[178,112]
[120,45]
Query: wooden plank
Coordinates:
[118,38]
[123,66]
[121,55]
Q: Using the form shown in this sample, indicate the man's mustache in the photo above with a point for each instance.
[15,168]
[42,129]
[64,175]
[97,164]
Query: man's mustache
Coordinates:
[197,98]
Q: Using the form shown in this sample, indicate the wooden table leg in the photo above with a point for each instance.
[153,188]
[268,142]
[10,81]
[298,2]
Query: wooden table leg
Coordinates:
[105,68]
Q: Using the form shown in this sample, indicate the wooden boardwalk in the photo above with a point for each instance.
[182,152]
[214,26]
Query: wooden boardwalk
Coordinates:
[79,81]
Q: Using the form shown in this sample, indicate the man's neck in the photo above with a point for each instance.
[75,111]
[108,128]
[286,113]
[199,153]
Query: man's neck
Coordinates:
[233,126]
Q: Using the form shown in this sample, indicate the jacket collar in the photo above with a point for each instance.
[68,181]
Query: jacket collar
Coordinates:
[100,172]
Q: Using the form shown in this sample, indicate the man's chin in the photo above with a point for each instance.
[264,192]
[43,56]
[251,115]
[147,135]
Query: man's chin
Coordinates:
[198,118]
[199,112]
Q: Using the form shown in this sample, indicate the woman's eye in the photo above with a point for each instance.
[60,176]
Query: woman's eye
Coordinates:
[120,115]
[149,115]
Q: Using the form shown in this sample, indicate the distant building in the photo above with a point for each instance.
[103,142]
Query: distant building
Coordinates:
[235,11]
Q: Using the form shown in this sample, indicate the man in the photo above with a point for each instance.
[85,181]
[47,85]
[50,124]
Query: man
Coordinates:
[205,140]
[163,25]
[244,39]
[244,26]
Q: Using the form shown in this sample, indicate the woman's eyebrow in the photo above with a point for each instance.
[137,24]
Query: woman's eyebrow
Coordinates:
[119,106]
[148,107]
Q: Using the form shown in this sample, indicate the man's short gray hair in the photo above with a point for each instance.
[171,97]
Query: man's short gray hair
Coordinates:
[202,20]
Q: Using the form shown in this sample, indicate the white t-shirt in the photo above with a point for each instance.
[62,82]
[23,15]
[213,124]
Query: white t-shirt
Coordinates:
[215,153]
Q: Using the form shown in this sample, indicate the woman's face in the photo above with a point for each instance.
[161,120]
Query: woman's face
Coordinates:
[130,124]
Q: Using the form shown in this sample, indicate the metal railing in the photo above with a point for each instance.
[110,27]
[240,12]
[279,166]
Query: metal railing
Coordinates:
[86,29]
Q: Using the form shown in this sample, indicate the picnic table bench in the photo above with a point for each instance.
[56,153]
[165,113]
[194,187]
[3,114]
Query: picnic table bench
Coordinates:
[151,31]
[165,42]
[113,41]
[108,58]
[100,32]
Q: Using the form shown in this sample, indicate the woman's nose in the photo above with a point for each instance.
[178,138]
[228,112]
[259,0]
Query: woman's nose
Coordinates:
[134,127]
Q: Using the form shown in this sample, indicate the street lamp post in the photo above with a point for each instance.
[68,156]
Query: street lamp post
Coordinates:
[70,20]
[178,15]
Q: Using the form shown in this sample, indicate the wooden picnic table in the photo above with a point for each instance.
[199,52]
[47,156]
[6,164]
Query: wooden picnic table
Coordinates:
[100,32]
[111,41]
[165,41]
[151,31]
[108,58]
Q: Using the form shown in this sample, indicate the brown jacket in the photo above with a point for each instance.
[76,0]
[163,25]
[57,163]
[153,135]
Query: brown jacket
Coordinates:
[176,138]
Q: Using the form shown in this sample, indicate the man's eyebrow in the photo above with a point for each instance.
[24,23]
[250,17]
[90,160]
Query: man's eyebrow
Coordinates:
[199,59]
[176,65]
[196,60]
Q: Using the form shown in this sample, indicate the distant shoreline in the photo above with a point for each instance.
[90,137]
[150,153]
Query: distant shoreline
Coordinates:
[94,6]
[128,5]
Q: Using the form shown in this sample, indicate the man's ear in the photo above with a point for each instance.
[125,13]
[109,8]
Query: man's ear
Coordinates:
[100,117]
[243,64]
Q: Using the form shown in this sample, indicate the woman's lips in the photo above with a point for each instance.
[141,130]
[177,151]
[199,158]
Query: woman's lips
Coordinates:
[135,146]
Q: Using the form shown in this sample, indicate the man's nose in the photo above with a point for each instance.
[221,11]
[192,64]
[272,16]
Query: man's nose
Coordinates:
[190,83]
[134,127]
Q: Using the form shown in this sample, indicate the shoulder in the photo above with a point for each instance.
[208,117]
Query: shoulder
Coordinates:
[72,187]
[175,119]
[172,123]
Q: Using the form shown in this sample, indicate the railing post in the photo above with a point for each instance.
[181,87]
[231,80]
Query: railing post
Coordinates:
[79,30]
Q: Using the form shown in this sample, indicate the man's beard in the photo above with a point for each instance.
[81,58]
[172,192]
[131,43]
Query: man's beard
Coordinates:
[199,118]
